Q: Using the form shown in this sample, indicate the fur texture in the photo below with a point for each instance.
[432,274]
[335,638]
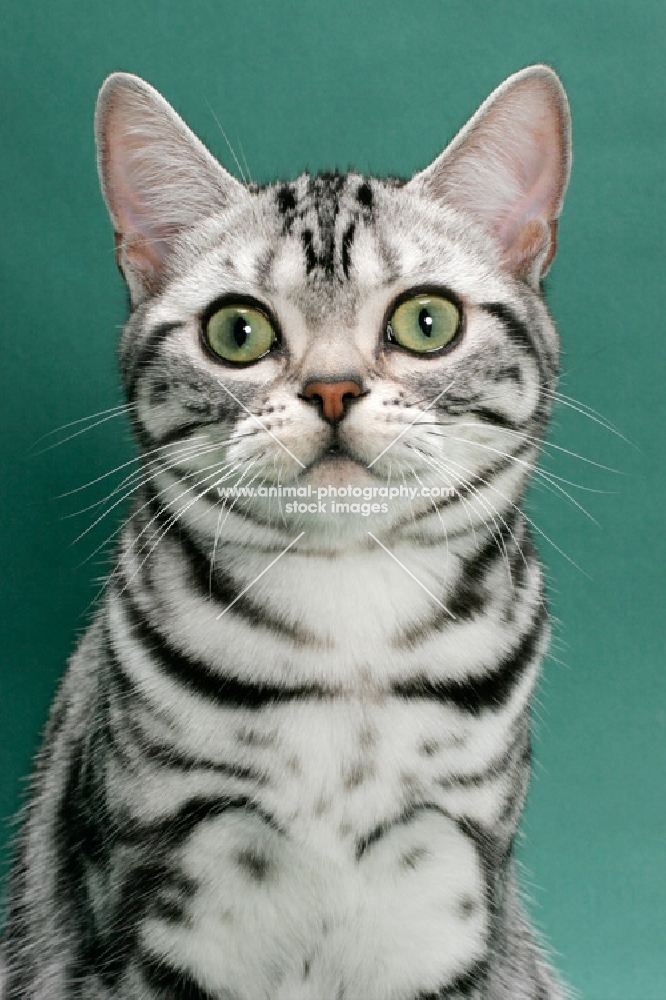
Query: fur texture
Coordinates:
[289,757]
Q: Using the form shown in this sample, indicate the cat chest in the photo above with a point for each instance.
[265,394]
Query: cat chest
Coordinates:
[348,853]
[333,772]
[355,877]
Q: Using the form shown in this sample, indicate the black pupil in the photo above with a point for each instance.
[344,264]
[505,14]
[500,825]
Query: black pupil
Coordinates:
[425,322]
[242,331]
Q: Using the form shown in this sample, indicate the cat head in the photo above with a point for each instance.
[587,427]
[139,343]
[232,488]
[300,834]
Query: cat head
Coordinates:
[339,330]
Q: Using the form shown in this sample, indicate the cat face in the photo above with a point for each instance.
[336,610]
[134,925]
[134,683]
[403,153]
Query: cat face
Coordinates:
[339,331]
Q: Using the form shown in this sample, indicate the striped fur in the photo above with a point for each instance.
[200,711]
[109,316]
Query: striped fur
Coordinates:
[306,784]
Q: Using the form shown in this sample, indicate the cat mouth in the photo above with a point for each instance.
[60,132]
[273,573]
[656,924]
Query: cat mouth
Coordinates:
[336,454]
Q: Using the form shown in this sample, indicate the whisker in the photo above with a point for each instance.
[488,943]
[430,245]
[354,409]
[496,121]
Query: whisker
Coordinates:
[132,461]
[585,411]
[119,412]
[137,474]
[218,531]
[534,470]
[72,423]
[531,522]
[545,445]
[121,527]
[141,476]
[492,511]
[172,520]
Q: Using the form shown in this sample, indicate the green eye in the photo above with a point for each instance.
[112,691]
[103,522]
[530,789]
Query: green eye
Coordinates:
[239,333]
[424,323]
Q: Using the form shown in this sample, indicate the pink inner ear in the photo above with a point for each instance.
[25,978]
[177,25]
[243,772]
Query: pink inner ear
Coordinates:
[509,167]
[142,237]
[126,168]
[538,172]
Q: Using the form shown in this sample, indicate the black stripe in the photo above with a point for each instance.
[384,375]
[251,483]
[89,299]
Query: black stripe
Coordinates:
[457,406]
[363,843]
[364,195]
[462,987]
[489,416]
[174,435]
[517,754]
[508,373]
[84,835]
[177,760]
[470,596]
[198,677]
[175,828]
[161,753]
[148,352]
[286,199]
[220,586]
[325,190]
[347,241]
[169,983]
[490,690]
[478,482]
[310,255]
[517,331]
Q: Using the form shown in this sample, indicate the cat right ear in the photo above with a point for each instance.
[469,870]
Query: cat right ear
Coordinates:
[157,178]
[508,168]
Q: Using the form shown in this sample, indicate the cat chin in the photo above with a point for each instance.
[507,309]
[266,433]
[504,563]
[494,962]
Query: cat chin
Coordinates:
[337,470]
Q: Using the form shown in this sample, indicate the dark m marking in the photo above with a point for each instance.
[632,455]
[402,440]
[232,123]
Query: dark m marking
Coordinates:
[364,195]
[310,255]
[347,241]
[286,199]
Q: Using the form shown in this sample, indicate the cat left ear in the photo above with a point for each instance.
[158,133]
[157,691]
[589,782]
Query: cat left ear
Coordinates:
[157,178]
[509,168]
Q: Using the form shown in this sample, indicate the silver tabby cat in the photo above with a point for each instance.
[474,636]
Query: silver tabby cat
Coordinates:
[289,756]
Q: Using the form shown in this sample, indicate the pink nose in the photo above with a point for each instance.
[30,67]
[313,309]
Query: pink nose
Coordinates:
[332,396]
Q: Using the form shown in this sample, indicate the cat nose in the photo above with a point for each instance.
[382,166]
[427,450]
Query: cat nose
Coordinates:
[332,397]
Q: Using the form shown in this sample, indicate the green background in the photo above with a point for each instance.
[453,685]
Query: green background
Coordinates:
[381,86]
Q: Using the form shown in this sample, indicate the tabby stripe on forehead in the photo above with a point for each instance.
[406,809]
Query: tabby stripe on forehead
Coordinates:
[197,676]
[487,691]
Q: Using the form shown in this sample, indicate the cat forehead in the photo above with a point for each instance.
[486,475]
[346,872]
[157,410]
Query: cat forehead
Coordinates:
[325,241]
[340,217]
[322,222]
[325,194]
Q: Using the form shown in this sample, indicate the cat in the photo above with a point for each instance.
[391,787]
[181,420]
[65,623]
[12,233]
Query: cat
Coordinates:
[289,756]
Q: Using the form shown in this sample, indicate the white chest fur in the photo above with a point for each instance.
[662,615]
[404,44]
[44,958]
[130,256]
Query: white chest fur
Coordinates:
[408,915]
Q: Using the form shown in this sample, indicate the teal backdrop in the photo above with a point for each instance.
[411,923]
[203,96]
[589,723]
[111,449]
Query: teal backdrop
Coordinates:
[380,86]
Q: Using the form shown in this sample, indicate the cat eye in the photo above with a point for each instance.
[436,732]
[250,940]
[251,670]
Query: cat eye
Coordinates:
[239,333]
[424,323]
